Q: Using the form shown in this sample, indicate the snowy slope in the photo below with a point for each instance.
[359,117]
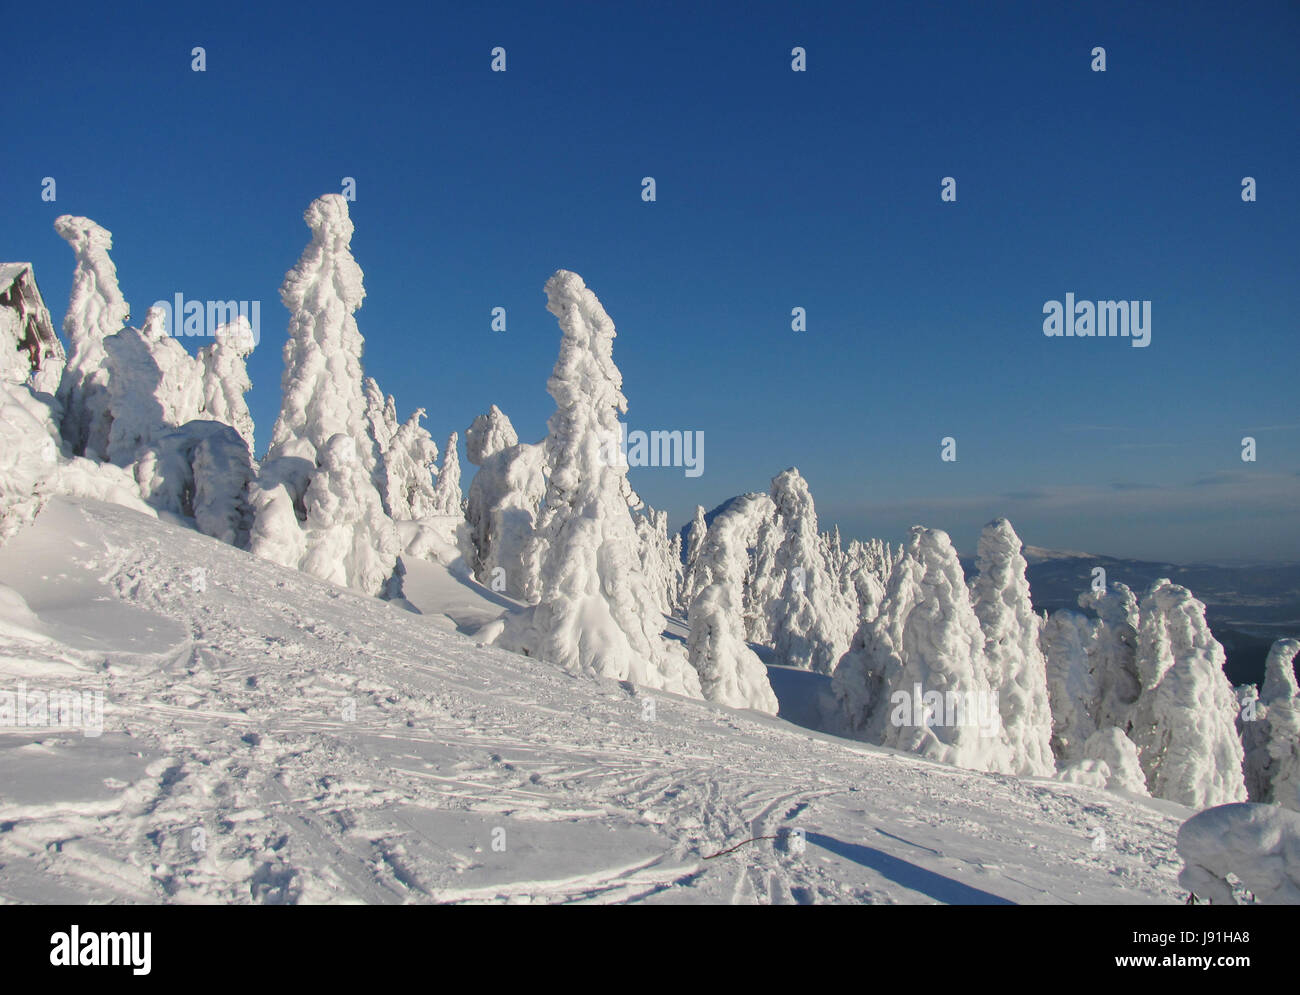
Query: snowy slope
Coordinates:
[231,768]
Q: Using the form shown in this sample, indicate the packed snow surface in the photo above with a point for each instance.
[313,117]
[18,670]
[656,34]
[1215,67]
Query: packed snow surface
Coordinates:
[269,737]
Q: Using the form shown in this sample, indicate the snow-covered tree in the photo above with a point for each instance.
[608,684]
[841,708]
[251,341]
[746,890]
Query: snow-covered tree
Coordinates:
[154,386]
[1272,731]
[730,672]
[200,470]
[350,541]
[381,425]
[409,464]
[311,482]
[501,510]
[1017,670]
[764,583]
[447,497]
[1113,653]
[864,573]
[694,540]
[677,579]
[1184,720]
[488,434]
[656,553]
[225,377]
[1066,639]
[323,394]
[595,611]
[96,310]
[810,623]
[695,535]
[29,452]
[914,677]
[1109,760]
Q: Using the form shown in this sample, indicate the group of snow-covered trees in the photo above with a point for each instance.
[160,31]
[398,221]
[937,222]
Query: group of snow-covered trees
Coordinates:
[1129,693]
[134,417]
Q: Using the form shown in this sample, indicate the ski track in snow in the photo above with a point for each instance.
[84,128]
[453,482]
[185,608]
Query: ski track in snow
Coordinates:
[229,772]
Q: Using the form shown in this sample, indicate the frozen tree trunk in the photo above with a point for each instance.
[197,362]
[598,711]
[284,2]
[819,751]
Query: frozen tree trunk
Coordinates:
[96,310]
[1017,671]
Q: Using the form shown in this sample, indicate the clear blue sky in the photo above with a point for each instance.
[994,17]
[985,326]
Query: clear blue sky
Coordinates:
[775,189]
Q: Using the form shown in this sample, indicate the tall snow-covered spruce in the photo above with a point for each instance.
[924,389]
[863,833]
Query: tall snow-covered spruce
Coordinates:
[225,377]
[1184,719]
[810,623]
[447,498]
[1017,670]
[730,672]
[315,503]
[596,610]
[95,311]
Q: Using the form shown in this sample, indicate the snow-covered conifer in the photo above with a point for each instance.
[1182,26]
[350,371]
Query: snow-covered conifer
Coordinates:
[1113,653]
[154,386]
[225,378]
[29,455]
[409,465]
[1184,720]
[328,495]
[1017,670]
[447,497]
[763,586]
[694,539]
[810,623]
[596,610]
[501,509]
[730,672]
[350,540]
[1066,639]
[1272,733]
[96,310]
[914,678]
[1109,760]
[201,470]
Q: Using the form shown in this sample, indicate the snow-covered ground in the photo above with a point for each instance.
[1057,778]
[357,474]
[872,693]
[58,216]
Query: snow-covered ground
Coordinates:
[268,737]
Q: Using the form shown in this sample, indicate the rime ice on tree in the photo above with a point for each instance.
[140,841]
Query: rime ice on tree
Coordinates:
[315,503]
[596,610]
[96,310]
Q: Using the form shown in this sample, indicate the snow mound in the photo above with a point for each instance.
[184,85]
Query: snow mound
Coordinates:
[1259,845]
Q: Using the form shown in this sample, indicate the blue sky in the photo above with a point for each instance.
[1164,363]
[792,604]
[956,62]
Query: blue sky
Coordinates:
[775,189]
